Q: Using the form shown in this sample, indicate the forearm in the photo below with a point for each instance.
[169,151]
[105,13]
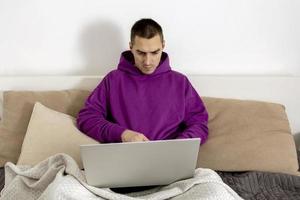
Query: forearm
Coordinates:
[195,131]
[99,128]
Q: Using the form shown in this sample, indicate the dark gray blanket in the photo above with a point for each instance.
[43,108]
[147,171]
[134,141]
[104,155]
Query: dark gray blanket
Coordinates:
[1,178]
[263,185]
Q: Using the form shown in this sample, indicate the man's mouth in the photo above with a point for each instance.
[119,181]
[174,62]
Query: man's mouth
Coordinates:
[147,67]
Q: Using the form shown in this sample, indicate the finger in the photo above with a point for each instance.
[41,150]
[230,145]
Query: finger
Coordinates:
[137,139]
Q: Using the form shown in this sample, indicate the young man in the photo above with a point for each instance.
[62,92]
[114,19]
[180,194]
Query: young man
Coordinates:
[144,99]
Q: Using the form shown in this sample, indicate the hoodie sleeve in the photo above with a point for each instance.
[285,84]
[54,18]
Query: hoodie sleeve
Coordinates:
[196,116]
[92,118]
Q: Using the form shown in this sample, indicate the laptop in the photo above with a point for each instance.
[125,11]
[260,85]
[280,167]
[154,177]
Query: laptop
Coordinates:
[134,164]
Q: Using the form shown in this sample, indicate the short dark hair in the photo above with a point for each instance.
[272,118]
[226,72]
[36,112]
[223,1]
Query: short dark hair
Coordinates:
[146,28]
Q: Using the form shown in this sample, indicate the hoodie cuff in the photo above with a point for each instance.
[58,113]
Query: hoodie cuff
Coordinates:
[116,132]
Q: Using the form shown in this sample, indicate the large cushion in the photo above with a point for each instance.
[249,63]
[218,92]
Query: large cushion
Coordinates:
[243,135]
[50,132]
[248,135]
[1,105]
[17,109]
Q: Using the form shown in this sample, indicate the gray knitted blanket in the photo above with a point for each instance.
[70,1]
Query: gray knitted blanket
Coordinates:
[59,177]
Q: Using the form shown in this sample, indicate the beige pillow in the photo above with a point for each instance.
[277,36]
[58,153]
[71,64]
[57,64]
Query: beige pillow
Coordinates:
[17,108]
[248,135]
[50,132]
[243,135]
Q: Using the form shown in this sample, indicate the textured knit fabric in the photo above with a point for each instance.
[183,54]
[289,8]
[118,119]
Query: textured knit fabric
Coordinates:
[59,178]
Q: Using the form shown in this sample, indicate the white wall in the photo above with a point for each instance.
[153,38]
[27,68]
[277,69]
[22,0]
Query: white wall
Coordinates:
[85,37]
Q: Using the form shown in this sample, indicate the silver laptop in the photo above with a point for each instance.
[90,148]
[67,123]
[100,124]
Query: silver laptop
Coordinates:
[148,163]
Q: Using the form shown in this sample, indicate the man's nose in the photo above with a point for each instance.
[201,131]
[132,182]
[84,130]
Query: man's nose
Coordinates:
[147,59]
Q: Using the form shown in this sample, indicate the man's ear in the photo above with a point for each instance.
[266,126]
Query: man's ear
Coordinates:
[130,45]
[163,44]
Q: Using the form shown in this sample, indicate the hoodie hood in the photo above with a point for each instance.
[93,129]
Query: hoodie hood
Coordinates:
[126,64]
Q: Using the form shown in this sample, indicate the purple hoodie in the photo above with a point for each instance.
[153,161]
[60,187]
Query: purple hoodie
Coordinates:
[161,105]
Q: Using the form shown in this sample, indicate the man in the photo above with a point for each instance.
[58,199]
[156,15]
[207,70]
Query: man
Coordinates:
[143,99]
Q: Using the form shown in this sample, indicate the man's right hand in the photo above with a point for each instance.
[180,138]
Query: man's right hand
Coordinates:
[133,136]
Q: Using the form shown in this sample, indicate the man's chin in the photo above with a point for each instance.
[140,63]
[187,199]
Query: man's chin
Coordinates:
[145,70]
[148,72]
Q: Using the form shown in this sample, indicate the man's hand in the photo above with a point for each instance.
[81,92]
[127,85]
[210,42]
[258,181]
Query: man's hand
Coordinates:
[133,136]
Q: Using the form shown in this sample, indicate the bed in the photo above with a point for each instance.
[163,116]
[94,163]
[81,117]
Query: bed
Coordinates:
[266,166]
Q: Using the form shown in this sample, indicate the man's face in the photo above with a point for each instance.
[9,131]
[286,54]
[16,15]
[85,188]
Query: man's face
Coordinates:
[147,53]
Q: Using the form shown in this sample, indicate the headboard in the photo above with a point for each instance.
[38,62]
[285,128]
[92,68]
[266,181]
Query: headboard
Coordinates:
[279,89]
